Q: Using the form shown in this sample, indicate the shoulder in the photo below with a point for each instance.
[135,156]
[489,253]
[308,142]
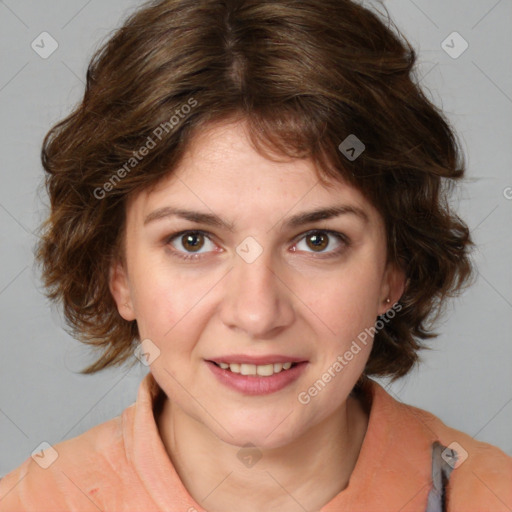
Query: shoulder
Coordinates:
[481,474]
[68,474]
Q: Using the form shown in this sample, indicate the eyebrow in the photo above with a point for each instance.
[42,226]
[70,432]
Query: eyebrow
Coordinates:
[292,222]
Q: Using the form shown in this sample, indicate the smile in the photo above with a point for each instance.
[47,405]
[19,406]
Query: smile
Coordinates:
[257,379]
[262,370]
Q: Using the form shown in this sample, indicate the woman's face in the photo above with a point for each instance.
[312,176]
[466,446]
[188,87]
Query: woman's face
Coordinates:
[246,278]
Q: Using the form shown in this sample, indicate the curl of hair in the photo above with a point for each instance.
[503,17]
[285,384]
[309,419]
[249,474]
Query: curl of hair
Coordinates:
[304,75]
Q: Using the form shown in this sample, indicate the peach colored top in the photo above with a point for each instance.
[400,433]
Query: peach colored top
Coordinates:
[122,465]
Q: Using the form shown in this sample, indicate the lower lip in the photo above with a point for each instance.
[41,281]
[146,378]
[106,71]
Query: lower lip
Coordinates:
[254,384]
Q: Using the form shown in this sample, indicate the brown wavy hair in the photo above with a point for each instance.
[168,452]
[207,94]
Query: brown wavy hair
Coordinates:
[304,75]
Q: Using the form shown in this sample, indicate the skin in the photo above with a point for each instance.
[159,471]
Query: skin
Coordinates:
[294,299]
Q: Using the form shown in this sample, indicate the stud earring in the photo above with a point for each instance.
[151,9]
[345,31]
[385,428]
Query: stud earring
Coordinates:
[388,300]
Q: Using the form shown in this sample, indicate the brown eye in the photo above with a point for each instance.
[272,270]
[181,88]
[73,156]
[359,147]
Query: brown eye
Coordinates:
[192,241]
[323,242]
[190,244]
[317,241]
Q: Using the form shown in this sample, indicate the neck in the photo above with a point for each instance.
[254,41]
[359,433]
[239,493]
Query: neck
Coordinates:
[285,478]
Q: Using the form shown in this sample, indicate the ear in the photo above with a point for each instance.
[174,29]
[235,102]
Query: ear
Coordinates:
[393,286]
[120,290]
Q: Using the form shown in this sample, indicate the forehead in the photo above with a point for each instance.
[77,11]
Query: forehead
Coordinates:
[221,171]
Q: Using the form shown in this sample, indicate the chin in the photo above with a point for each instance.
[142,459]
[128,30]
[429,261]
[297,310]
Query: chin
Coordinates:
[255,438]
[267,431]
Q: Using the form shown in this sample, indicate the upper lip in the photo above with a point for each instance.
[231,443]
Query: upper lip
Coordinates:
[257,360]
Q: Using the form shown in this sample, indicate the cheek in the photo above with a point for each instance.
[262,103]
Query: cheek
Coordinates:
[157,298]
[166,299]
[346,303]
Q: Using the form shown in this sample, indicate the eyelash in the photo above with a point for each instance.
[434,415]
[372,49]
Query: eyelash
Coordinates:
[196,256]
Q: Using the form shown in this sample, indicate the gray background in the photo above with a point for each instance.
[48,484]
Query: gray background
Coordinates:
[466,380]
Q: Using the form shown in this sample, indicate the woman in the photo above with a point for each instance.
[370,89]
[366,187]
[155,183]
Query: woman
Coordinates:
[253,195]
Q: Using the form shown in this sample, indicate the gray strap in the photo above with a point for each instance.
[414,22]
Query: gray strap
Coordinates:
[441,471]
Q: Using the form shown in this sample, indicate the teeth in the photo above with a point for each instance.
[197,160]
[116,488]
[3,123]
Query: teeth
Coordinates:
[234,367]
[248,369]
[263,370]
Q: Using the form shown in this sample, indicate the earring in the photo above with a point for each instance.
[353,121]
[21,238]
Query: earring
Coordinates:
[388,301]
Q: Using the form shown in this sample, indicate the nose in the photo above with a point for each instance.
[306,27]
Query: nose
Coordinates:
[257,301]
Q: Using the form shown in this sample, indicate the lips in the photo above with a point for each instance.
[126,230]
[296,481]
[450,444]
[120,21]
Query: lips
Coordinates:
[263,366]
[257,360]
[256,383]
[257,375]
[262,370]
